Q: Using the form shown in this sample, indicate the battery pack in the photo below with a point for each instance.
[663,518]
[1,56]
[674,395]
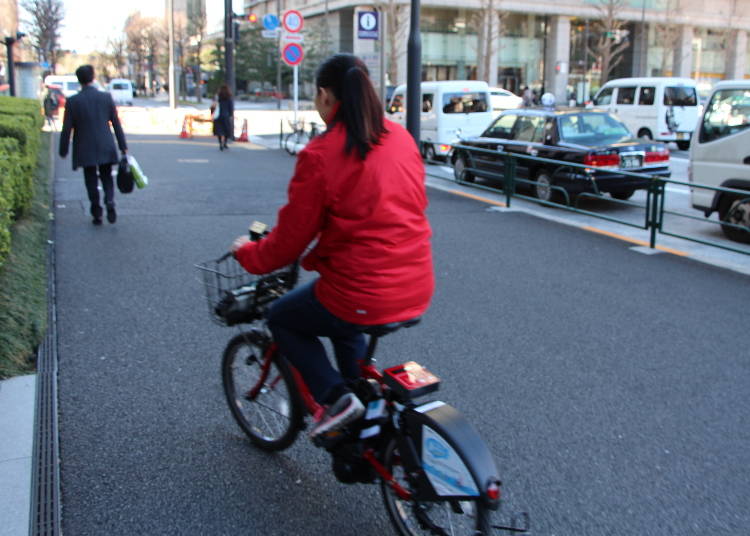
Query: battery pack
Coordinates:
[410,380]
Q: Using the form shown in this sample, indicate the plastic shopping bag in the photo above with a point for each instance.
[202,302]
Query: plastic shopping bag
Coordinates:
[140,178]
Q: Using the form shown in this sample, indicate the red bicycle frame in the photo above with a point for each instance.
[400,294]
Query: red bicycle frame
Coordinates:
[368,371]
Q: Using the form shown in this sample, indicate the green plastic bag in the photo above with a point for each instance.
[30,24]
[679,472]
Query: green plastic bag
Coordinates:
[139,177]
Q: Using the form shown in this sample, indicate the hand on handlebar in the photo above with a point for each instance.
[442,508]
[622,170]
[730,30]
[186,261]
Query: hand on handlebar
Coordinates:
[238,243]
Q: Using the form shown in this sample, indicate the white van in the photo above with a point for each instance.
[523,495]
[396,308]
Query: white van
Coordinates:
[121,90]
[720,156]
[68,83]
[656,108]
[449,108]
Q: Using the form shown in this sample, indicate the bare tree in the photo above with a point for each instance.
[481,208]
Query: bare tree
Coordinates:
[669,33]
[488,21]
[611,36]
[44,28]
[196,30]
[396,28]
[143,36]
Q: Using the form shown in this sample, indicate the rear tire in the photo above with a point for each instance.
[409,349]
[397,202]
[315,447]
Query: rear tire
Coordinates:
[543,188]
[273,418]
[459,169]
[645,134]
[683,145]
[474,516]
[429,152]
[731,210]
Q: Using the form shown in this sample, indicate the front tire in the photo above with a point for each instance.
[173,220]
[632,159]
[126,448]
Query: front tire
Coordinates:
[273,418]
[732,209]
[411,518]
[623,196]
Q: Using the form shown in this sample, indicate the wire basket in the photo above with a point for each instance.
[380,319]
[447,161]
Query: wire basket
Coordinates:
[235,296]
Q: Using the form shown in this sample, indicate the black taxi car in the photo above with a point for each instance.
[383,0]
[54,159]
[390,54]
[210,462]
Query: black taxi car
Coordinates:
[592,138]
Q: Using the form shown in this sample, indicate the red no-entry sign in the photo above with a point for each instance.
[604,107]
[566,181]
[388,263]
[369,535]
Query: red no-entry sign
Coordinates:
[292,54]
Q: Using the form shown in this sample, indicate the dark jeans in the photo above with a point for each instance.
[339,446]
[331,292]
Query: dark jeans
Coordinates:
[92,183]
[296,320]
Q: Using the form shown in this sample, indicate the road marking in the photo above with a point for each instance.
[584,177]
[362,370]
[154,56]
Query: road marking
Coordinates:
[633,240]
[193,160]
[478,198]
[584,227]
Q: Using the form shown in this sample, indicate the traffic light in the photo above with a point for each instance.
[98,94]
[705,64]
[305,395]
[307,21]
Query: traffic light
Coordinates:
[252,18]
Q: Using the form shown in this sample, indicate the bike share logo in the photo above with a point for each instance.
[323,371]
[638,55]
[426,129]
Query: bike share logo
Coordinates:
[436,449]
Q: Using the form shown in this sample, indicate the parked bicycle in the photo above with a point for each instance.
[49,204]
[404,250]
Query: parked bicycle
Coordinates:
[435,472]
[299,137]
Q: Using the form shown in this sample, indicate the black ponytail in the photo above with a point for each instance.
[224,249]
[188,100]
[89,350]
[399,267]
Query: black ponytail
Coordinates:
[360,109]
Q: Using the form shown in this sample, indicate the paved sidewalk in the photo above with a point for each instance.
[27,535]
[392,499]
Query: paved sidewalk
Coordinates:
[17,397]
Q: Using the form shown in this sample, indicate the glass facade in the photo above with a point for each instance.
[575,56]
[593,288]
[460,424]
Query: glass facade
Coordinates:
[449,47]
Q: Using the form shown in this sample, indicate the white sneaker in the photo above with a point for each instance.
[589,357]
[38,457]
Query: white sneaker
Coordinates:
[347,409]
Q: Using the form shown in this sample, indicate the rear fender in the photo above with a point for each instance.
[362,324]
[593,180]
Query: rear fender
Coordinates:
[453,460]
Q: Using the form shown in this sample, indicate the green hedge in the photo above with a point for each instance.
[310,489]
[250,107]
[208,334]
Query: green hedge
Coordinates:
[20,124]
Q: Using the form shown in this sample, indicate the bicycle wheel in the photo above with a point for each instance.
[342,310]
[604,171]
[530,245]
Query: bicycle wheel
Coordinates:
[292,141]
[412,518]
[273,417]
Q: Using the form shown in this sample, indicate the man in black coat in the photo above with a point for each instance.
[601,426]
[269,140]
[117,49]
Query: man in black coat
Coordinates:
[89,114]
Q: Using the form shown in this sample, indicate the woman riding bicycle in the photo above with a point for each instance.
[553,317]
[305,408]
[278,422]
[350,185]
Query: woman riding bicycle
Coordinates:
[359,189]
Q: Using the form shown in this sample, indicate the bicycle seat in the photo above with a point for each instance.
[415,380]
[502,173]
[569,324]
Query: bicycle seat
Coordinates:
[379,330]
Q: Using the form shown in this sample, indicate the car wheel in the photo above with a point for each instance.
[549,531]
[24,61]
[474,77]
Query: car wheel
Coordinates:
[683,145]
[459,169]
[736,210]
[625,194]
[428,152]
[645,134]
[543,188]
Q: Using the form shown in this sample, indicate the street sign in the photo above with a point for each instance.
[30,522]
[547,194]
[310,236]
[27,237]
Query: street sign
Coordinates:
[292,21]
[270,21]
[292,54]
[367,25]
[292,38]
[270,34]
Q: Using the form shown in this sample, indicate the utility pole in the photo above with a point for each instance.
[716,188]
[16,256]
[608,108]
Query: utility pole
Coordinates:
[9,42]
[278,60]
[229,45]
[172,78]
[414,74]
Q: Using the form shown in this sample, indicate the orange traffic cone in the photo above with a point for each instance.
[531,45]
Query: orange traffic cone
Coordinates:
[243,135]
[184,133]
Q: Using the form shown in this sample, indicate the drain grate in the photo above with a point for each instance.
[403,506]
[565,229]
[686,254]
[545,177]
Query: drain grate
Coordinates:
[45,504]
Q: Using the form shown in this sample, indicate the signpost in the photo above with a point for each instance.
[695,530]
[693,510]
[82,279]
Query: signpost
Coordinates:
[292,52]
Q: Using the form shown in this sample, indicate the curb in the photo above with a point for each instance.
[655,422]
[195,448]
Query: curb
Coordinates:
[45,504]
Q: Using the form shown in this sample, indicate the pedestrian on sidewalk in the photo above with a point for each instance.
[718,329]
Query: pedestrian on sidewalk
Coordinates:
[358,192]
[88,114]
[50,108]
[224,119]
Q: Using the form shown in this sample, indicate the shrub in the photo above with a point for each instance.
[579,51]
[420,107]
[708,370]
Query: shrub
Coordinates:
[20,121]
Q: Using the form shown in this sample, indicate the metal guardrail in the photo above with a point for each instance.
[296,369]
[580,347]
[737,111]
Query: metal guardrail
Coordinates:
[654,209]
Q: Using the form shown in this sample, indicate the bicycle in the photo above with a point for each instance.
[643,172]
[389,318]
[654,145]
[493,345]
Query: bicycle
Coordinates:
[299,136]
[436,474]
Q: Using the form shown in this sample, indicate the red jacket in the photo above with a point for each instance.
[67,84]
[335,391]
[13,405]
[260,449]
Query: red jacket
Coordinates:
[373,250]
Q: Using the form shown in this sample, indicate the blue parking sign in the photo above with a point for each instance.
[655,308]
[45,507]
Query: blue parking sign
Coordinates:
[270,21]
[367,25]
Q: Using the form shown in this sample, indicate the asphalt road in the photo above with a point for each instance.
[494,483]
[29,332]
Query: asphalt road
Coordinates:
[612,386]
